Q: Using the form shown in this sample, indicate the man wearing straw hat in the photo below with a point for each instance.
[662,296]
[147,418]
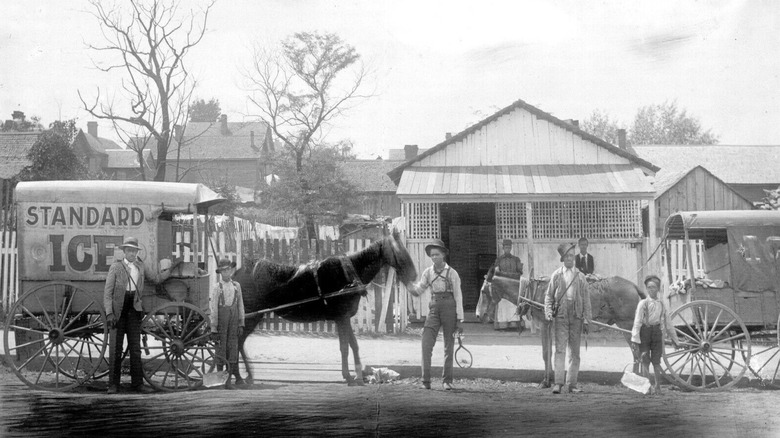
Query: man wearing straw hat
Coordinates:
[568,303]
[124,312]
[446,311]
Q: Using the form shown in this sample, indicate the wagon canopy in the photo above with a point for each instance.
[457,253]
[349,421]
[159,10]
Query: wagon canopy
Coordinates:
[173,197]
[747,241]
[702,224]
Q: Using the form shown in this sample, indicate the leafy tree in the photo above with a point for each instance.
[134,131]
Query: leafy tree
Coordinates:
[53,158]
[771,201]
[653,124]
[666,124]
[301,88]
[320,190]
[602,126]
[66,128]
[151,41]
[202,111]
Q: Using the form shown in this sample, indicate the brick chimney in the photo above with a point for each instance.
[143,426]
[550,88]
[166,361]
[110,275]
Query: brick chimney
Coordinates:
[447,135]
[92,129]
[410,151]
[621,134]
[252,141]
[18,116]
[572,122]
[223,125]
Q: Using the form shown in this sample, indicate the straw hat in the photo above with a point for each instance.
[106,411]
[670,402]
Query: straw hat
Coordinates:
[564,248]
[653,278]
[437,243]
[130,242]
[224,264]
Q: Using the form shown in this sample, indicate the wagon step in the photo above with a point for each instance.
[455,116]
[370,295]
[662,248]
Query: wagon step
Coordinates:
[346,291]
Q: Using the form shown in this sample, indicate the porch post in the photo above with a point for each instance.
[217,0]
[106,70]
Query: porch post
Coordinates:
[529,229]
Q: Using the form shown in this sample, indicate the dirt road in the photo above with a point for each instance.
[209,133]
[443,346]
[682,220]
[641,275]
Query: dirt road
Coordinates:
[491,400]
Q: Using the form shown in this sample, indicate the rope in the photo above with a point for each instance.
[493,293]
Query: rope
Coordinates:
[666,234]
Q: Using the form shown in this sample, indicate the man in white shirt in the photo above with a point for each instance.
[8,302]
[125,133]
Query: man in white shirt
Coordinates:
[567,302]
[651,327]
[124,312]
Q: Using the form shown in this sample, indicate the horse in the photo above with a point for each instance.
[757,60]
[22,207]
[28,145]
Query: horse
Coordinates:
[269,285]
[613,300]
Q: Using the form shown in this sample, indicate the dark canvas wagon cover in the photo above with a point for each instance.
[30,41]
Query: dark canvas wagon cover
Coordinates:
[753,243]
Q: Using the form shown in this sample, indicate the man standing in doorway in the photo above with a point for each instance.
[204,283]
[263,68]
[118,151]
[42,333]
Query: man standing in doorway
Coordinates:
[506,265]
[567,302]
[584,261]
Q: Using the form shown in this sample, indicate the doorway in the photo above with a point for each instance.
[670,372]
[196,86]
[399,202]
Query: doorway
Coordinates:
[469,230]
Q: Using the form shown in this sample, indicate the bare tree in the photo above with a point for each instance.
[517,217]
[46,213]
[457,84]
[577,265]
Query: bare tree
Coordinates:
[149,41]
[299,89]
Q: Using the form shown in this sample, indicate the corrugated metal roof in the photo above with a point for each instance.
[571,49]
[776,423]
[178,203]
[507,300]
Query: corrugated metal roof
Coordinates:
[529,181]
[732,164]
[698,222]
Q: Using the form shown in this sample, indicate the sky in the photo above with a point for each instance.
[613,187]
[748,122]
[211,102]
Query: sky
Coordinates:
[440,66]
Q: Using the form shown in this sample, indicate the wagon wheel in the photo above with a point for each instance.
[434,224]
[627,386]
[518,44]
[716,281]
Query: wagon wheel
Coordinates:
[55,336]
[710,337]
[764,363]
[179,352]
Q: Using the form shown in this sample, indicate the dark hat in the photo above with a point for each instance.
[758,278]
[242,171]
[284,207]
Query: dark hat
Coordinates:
[653,278]
[224,264]
[130,242]
[437,243]
[507,242]
[564,248]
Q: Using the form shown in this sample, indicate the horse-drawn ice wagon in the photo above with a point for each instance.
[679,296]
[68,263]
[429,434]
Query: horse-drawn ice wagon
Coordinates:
[727,322]
[69,232]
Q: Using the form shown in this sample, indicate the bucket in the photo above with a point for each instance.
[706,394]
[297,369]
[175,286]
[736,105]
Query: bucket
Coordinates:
[635,382]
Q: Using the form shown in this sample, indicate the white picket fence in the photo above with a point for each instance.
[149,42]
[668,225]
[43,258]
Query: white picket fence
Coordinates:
[679,258]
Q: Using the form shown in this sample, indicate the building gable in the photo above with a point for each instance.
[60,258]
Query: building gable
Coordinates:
[521,134]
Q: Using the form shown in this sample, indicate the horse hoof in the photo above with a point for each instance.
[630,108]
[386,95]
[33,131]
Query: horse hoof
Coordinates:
[355,382]
[544,385]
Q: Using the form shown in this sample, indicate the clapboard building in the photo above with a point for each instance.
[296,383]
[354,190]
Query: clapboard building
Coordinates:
[524,175]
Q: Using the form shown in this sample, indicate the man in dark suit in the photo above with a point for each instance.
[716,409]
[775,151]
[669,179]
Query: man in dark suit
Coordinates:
[584,261]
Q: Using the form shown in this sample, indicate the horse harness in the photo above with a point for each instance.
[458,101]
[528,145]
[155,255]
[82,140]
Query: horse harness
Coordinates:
[353,279]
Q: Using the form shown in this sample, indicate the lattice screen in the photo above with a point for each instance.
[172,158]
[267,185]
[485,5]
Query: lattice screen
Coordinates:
[618,219]
[422,219]
[510,220]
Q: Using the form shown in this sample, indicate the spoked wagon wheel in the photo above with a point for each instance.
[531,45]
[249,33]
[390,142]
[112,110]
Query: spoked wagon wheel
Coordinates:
[179,352]
[764,363]
[55,336]
[710,337]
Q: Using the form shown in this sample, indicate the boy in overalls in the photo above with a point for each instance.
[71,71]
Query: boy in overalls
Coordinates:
[446,311]
[227,317]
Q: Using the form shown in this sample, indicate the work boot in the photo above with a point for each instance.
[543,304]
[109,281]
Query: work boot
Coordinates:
[228,384]
[557,389]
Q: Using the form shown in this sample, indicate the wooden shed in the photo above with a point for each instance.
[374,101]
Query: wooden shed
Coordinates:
[695,189]
[525,175]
